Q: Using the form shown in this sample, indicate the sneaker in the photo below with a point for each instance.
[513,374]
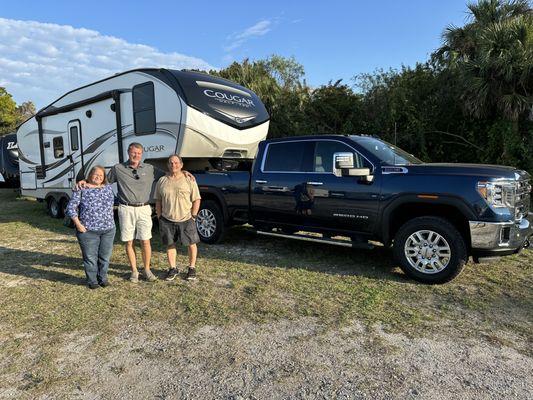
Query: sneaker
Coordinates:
[149,276]
[171,274]
[93,285]
[104,283]
[134,277]
[191,274]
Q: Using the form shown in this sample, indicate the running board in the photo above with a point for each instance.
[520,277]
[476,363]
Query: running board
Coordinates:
[336,242]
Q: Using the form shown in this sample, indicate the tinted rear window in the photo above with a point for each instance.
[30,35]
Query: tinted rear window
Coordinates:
[289,157]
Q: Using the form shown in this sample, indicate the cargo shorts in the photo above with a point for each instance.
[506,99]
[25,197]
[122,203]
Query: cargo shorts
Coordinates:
[183,233]
[135,222]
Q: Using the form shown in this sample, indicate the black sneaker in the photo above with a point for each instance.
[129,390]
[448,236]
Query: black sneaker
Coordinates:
[104,283]
[171,274]
[191,274]
[93,285]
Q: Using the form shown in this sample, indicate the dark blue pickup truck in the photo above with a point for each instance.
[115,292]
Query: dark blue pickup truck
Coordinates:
[359,188]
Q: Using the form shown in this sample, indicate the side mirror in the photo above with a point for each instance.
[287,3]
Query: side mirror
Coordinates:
[343,165]
[343,160]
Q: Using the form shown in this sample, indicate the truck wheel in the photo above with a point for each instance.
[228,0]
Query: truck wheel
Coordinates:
[430,250]
[210,222]
[53,207]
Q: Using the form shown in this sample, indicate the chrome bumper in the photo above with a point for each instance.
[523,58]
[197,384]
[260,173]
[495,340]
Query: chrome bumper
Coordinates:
[500,235]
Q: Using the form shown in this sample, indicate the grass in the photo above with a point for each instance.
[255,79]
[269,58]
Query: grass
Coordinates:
[245,279]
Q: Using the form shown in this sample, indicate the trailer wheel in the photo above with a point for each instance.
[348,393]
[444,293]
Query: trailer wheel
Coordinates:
[63,203]
[210,222]
[53,207]
[430,250]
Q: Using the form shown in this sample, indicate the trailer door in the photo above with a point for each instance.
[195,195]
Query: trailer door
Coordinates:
[73,151]
[57,165]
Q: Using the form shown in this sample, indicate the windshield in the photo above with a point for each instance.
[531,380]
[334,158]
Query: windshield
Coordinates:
[386,152]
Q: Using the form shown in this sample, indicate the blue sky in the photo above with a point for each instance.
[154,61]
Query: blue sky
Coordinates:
[332,39]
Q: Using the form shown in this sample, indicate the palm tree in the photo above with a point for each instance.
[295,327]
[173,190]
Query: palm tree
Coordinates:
[493,53]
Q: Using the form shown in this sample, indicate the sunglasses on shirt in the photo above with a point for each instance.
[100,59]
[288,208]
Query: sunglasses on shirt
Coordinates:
[135,175]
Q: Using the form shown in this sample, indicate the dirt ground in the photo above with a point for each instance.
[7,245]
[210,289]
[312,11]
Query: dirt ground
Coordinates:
[287,360]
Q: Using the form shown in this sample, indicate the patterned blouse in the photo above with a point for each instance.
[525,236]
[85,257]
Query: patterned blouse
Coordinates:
[94,207]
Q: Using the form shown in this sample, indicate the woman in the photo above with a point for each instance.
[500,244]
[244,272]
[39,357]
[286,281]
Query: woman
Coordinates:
[91,210]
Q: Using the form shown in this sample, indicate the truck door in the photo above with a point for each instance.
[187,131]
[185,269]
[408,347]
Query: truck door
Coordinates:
[278,183]
[343,203]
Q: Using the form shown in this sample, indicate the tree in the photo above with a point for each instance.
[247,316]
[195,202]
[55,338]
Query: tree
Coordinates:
[277,82]
[25,111]
[494,54]
[8,115]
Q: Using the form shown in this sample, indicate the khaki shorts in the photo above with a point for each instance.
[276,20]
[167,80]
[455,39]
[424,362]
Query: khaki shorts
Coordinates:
[135,222]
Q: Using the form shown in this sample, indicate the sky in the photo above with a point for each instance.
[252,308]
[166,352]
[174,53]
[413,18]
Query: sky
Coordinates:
[50,47]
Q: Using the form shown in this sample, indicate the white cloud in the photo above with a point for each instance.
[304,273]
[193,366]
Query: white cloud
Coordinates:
[41,61]
[237,39]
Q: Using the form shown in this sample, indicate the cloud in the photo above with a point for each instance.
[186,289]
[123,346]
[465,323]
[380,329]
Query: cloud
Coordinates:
[41,61]
[237,39]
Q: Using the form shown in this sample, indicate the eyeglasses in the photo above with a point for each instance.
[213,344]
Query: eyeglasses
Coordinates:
[135,175]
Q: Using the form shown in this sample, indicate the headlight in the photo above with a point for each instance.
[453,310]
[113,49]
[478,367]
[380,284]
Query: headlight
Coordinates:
[499,194]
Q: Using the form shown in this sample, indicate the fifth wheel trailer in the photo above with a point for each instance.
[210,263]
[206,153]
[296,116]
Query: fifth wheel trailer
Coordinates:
[196,115]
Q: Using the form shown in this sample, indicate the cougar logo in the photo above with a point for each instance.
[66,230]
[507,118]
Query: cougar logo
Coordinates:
[156,148]
[230,98]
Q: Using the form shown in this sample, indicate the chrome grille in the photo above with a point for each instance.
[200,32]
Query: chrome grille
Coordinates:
[522,199]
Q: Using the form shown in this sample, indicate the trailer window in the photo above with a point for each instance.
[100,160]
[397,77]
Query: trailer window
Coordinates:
[74,144]
[59,150]
[144,108]
[289,157]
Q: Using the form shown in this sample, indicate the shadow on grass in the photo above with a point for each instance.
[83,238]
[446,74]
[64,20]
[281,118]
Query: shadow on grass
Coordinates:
[240,245]
[243,245]
[23,263]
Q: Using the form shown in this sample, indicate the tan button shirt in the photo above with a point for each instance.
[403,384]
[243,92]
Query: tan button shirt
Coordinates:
[176,196]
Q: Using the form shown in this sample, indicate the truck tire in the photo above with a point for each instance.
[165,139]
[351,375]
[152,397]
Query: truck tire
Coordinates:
[53,207]
[430,250]
[210,222]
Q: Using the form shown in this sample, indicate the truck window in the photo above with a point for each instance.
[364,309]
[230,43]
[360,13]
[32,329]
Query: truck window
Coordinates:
[289,157]
[324,150]
[74,144]
[144,108]
[59,151]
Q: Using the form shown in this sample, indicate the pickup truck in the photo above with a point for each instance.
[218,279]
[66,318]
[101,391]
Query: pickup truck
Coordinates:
[364,189]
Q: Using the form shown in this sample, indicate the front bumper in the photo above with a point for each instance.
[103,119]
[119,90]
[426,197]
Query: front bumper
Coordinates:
[500,237]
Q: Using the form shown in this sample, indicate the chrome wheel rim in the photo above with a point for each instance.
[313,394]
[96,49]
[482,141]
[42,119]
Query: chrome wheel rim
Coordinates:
[427,251]
[54,208]
[206,223]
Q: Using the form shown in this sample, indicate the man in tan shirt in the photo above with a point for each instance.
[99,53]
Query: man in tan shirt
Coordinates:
[177,203]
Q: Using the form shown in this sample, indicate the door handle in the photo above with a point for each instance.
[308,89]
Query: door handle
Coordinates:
[276,189]
[315,183]
[260,182]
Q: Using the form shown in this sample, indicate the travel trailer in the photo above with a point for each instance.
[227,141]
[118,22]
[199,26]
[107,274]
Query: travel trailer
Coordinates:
[201,117]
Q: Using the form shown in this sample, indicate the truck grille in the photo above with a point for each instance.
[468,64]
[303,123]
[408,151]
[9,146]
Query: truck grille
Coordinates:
[522,199]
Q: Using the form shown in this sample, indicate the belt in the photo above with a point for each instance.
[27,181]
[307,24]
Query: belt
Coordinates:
[134,204]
